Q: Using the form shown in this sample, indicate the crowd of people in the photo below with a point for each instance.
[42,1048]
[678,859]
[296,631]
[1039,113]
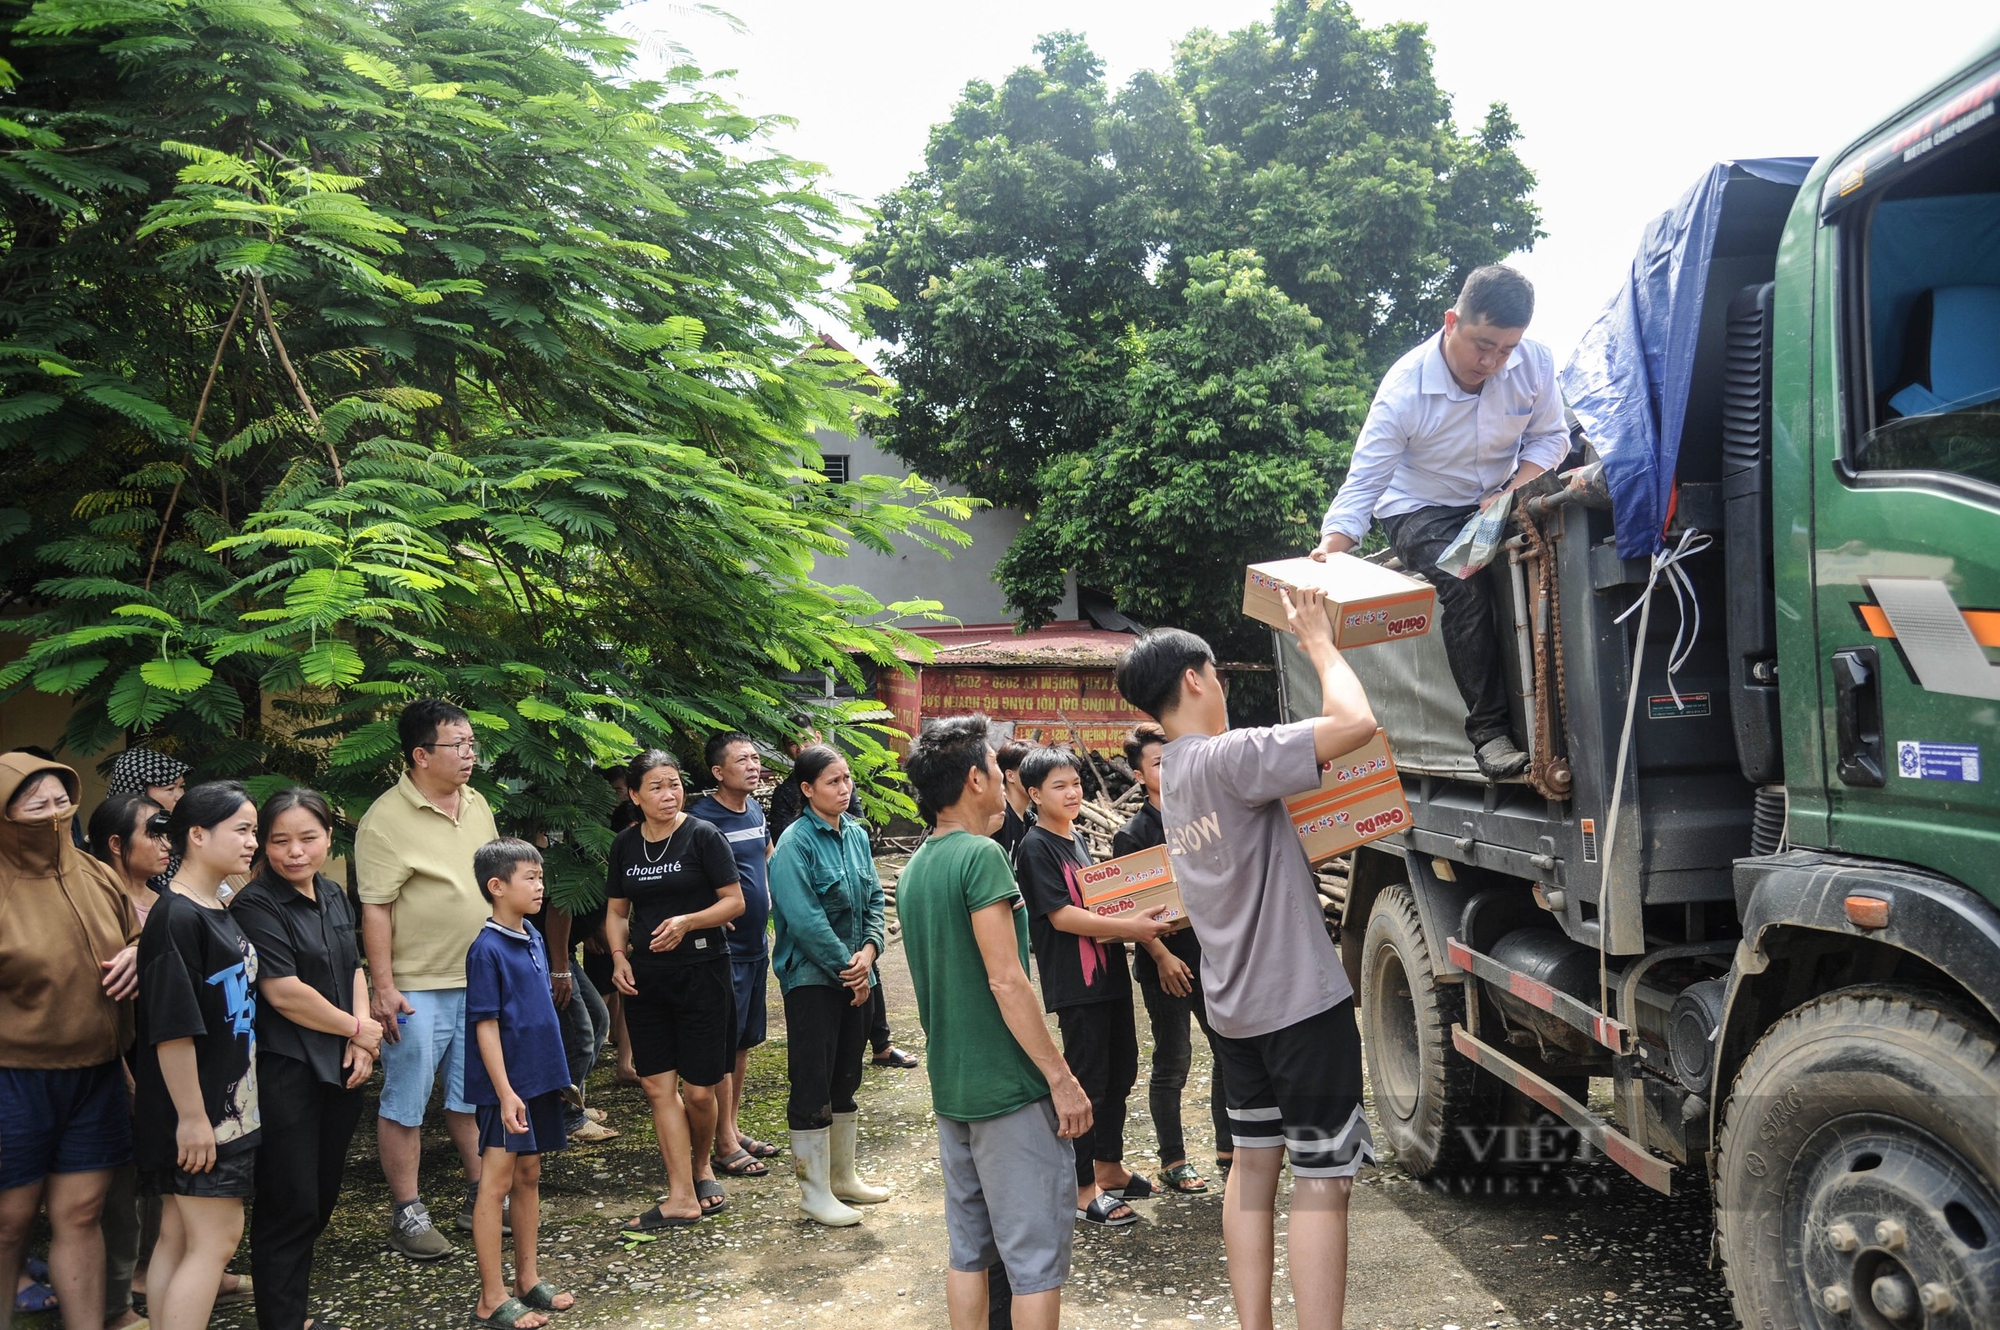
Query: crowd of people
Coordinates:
[191,1012]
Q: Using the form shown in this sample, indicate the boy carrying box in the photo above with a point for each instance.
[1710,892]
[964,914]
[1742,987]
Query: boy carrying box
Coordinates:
[1277,997]
[515,1083]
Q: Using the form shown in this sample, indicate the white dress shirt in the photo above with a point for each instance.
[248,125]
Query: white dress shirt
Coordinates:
[1428,443]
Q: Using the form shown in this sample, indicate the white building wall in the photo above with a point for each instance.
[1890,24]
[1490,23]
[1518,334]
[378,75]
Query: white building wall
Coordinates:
[964,581]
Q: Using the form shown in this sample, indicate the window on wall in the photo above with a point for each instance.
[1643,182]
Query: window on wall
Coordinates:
[835,467]
[1932,255]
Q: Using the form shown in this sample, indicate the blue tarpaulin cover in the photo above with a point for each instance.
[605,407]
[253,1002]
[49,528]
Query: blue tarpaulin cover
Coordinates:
[1627,380]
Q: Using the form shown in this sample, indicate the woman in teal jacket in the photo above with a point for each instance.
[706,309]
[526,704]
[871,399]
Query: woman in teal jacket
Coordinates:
[828,906]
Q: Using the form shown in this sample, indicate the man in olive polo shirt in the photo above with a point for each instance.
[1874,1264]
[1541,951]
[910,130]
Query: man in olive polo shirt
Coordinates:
[420,910]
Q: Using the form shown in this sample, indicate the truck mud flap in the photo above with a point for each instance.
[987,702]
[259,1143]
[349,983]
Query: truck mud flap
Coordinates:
[1615,1145]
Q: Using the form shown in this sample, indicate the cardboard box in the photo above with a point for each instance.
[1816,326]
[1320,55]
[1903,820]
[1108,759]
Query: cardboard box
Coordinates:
[1366,602]
[1134,884]
[1359,799]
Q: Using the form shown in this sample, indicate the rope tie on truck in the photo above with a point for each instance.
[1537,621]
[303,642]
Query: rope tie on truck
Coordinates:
[1665,563]
[1548,774]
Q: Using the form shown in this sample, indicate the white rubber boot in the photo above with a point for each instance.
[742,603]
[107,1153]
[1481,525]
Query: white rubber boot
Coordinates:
[847,1184]
[811,1157]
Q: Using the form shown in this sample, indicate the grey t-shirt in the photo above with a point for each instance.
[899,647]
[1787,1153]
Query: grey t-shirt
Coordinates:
[1266,959]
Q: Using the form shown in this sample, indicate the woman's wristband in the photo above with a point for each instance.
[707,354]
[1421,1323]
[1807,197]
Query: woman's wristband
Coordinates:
[357,1028]
[559,974]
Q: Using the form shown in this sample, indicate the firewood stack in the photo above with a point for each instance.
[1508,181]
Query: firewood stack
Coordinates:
[1332,881]
[1102,817]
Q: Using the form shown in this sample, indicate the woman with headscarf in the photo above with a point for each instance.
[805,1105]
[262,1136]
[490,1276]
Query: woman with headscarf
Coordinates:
[68,962]
[163,779]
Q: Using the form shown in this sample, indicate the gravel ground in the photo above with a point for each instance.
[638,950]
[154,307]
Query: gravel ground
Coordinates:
[1586,1247]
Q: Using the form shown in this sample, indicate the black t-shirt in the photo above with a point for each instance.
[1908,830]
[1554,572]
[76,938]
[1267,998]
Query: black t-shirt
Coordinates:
[681,875]
[1012,827]
[1075,970]
[198,980]
[1143,831]
[314,941]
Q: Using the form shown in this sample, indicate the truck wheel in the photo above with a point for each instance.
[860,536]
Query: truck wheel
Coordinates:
[1424,1090]
[1858,1183]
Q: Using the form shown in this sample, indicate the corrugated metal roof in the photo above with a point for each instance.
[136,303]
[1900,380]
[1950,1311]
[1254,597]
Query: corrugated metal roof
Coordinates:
[1065,642]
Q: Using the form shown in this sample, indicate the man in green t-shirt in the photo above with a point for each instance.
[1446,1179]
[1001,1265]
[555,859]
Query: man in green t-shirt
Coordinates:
[1007,1105]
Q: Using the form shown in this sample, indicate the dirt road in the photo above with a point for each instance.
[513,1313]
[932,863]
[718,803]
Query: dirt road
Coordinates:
[1587,1248]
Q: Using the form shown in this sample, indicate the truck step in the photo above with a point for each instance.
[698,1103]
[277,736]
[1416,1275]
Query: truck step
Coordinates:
[1615,1145]
[1614,1035]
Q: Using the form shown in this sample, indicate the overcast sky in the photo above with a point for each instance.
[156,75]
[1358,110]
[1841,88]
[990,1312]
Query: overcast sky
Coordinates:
[1621,105]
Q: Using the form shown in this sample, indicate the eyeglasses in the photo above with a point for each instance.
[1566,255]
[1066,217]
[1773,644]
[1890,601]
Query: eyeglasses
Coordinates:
[464,748]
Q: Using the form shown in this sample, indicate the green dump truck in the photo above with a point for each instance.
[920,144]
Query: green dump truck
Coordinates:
[1752,880]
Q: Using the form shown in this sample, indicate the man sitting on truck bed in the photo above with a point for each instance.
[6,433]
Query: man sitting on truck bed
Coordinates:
[1467,416]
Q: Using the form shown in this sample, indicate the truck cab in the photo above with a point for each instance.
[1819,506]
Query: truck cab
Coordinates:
[1752,878]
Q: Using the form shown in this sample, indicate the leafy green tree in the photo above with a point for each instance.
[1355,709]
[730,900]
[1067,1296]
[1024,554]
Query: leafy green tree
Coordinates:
[1153,319]
[353,352]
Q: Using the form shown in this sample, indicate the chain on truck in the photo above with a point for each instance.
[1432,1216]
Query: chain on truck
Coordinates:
[1752,876]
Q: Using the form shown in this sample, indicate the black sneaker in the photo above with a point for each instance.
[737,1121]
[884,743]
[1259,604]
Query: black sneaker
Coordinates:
[1499,759]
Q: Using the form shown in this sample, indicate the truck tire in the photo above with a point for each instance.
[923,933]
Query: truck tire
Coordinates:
[1858,1180]
[1424,1090]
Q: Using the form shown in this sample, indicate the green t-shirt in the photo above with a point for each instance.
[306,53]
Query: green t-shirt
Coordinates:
[978,1070]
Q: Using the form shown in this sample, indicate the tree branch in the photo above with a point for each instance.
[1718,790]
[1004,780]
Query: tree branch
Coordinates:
[194,430]
[305,398]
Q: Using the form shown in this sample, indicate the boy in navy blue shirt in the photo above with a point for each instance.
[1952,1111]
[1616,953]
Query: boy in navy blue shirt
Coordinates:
[515,1083]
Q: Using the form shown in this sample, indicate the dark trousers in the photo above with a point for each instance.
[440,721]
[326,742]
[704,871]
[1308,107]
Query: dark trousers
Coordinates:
[586,1024]
[878,1016]
[1101,1045]
[826,1038]
[307,1127]
[1466,605]
[1173,1054]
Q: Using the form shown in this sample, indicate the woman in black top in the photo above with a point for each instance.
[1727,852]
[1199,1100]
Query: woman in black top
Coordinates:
[671,888]
[316,1046]
[196,1116]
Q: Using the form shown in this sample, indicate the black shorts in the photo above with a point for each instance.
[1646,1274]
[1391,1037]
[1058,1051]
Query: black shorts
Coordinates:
[1300,1087]
[234,1177]
[544,1135]
[683,1020]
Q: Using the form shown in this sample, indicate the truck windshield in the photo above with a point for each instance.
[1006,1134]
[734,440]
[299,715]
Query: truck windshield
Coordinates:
[1933,319]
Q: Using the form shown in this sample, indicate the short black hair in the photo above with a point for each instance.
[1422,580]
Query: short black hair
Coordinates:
[943,757]
[208,805]
[499,858]
[1141,735]
[1045,761]
[418,726]
[1009,754]
[1496,295]
[718,747]
[1149,673]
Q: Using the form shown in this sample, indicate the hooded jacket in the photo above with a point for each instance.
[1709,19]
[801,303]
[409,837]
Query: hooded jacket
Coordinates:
[62,915]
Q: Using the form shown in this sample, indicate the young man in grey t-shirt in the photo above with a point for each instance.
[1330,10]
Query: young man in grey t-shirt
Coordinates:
[1278,999]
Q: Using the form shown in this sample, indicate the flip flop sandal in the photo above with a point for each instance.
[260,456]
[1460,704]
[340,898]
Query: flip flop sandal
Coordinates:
[706,1190]
[37,1268]
[1103,1212]
[757,1149]
[740,1165]
[505,1315]
[244,1292]
[893,1056]
[656,1219]
[36,1297]
[542,1297]
[1136,1188]
[1183,1179]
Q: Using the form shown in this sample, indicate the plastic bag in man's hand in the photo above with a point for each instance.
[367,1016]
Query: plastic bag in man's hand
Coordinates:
[1479,540]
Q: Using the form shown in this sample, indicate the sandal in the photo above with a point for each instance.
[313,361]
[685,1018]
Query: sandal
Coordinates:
[706,1190]
[740,1165]
[1137,1188]
[36,1297]
[507,1314]
[656,1219]
[542,1297]
[1103,1212]
[1183,1179]
[757,1149]
[244,1291]
[893,1056]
